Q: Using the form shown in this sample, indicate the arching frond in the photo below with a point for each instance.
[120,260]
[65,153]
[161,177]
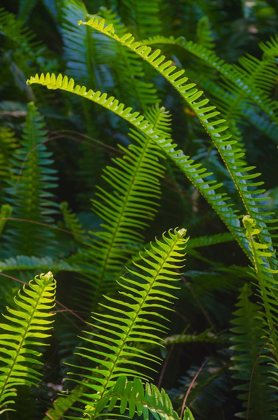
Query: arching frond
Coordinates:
[198,175]
[72,223]
[24,330]
[132,317]
[229,149]
[21,262]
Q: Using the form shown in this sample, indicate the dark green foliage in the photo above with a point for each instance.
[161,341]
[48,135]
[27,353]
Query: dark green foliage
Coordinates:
[139,116]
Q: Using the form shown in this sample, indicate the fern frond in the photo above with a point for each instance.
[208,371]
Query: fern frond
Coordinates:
[204,33]
[24,330]
[143,16]
[138,321]
[29,193]
[247,344]
[198,175]
[267,285]
[135,399]
[229,149]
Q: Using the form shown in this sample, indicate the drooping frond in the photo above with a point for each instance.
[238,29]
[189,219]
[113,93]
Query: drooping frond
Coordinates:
[135,399]
[252,374]
[267,285]
[132,317]
[24,330]
[29,191]
[229,149]
[196,173]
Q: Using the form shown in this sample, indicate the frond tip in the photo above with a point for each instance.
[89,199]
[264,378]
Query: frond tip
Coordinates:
[23,331]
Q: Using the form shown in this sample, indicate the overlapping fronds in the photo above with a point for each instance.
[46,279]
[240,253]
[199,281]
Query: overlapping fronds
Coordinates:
[228,148]
[136,399]
[127,208]
[267,286]
[132,317]
[29,191]
[198,175]
[253,80]
[252,371]
[25,329]
[204,337]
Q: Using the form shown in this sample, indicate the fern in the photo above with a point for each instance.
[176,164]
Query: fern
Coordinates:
[247,345]
[72,223]
[5,213]
[120,327]
[8,143]
[24,330]
[198,176]
[134,399]
[127,209]
[264,275]
[28,192]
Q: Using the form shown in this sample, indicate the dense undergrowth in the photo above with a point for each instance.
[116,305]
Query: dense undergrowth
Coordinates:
[138,167]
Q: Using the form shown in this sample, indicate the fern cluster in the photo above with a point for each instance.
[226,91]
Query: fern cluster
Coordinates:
[120,120]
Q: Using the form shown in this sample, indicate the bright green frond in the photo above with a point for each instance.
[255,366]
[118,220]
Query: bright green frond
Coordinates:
[21,332]
[132,317]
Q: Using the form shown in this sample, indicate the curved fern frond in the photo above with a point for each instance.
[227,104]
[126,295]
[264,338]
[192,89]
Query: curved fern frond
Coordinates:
[29,193]
[135,399]
[132,317]
[264,275]
[232,154]
[247,344]
[198,175]
[23,331]
[8,143]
